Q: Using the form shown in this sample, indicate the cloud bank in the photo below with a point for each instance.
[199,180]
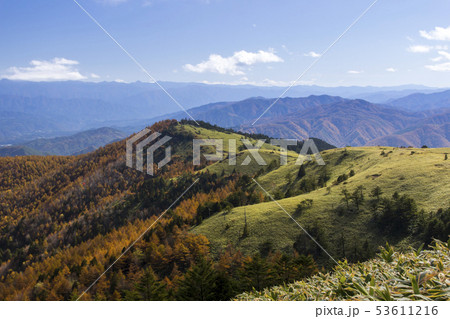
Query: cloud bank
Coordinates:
[233,65]
[58,69]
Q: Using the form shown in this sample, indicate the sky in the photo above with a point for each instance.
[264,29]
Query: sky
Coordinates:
[259,42]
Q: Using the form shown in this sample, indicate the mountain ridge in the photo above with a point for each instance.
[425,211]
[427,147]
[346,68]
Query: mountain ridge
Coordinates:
[423,101]
[79,143]
[336,120]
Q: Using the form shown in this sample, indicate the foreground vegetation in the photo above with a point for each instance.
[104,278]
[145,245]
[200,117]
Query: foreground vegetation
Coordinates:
[416,275]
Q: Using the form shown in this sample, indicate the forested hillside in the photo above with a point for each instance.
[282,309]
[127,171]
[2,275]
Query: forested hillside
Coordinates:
[65,219]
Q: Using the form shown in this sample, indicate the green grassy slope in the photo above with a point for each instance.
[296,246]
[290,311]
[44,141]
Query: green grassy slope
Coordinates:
[420,173]
[268,152]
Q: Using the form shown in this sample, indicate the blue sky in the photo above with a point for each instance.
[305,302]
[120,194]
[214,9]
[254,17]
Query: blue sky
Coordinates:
[225,41]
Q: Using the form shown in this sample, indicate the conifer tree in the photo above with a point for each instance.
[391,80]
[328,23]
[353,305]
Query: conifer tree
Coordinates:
[199,282]
[245,231]
[148,288]
[256,273]
[376,192]
[346,196]
[301,172]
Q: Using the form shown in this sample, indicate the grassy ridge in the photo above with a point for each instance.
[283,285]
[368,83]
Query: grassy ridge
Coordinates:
[268,152]
[419,173]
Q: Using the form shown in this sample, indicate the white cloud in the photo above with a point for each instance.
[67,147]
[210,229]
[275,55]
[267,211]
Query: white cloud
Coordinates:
[439,67]
[426,48]
[354,72]
[58,69]
[95,76]
[439,33]
[233,65]
[420,48]
[391,70]
[436,34]
[443,55]
[437,59]
[269,82]
[312,54]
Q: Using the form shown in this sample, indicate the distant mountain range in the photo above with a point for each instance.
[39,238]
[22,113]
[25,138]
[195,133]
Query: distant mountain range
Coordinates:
[433,131]
[336,120]
[347,122]
[18,150]
[235,114]
[192,94]
[76,144]
[26,118]
[423,102]
[31,110]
